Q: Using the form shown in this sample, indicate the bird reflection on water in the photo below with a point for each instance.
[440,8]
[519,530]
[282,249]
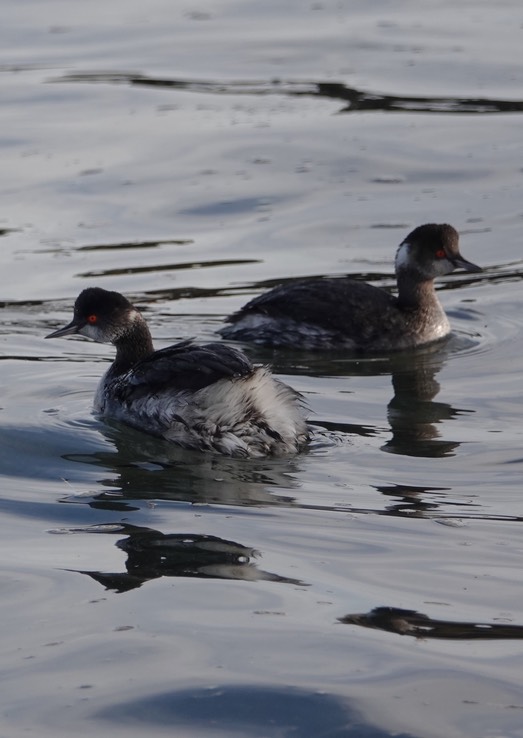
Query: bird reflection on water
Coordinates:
[140,467]
[415,419]
[413,415]
[152,554]
[413,623]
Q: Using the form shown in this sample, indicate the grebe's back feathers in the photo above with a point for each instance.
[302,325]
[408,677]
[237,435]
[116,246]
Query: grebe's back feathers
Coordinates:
[188,367]
[330,301]
[349,312]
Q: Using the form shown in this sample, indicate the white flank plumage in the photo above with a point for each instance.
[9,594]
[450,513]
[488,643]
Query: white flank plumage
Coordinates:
[208,397]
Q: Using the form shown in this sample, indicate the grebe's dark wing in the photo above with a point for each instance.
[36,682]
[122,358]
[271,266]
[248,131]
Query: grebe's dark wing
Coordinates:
[336,304]
[189,366]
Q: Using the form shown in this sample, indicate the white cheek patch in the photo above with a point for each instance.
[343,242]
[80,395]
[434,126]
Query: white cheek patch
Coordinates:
[90,330]
[402,260]
[437,268]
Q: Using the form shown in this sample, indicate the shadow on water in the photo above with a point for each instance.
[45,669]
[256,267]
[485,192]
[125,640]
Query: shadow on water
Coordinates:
[151,555]
[243,710]
[353,100]
[410,622]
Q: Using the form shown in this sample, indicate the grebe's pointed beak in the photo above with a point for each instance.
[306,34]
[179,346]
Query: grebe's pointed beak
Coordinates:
[461,263]
[67,330]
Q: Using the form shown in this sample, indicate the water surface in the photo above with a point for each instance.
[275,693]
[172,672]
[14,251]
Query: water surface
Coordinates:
[192,157]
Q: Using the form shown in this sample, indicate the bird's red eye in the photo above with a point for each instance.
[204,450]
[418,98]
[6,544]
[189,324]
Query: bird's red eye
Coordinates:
[441,254]
[92,318]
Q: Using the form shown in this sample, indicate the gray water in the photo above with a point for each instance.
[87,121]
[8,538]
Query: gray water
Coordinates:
[191,156]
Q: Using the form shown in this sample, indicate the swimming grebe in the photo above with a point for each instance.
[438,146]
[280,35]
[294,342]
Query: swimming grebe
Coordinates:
[207,397]
[339,312]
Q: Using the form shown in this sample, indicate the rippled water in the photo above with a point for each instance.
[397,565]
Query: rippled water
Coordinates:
[191,157]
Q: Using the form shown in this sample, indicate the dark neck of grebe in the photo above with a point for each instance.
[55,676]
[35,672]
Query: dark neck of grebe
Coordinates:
[414,291]
[132,345]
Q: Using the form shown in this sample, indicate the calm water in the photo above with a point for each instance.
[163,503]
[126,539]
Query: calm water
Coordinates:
[191,156]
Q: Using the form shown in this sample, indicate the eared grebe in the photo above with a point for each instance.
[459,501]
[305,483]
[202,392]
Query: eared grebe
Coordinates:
[207,397]
[339,312]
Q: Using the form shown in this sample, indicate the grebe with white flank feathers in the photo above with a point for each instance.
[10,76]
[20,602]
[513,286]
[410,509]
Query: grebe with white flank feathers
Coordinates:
[208,397]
